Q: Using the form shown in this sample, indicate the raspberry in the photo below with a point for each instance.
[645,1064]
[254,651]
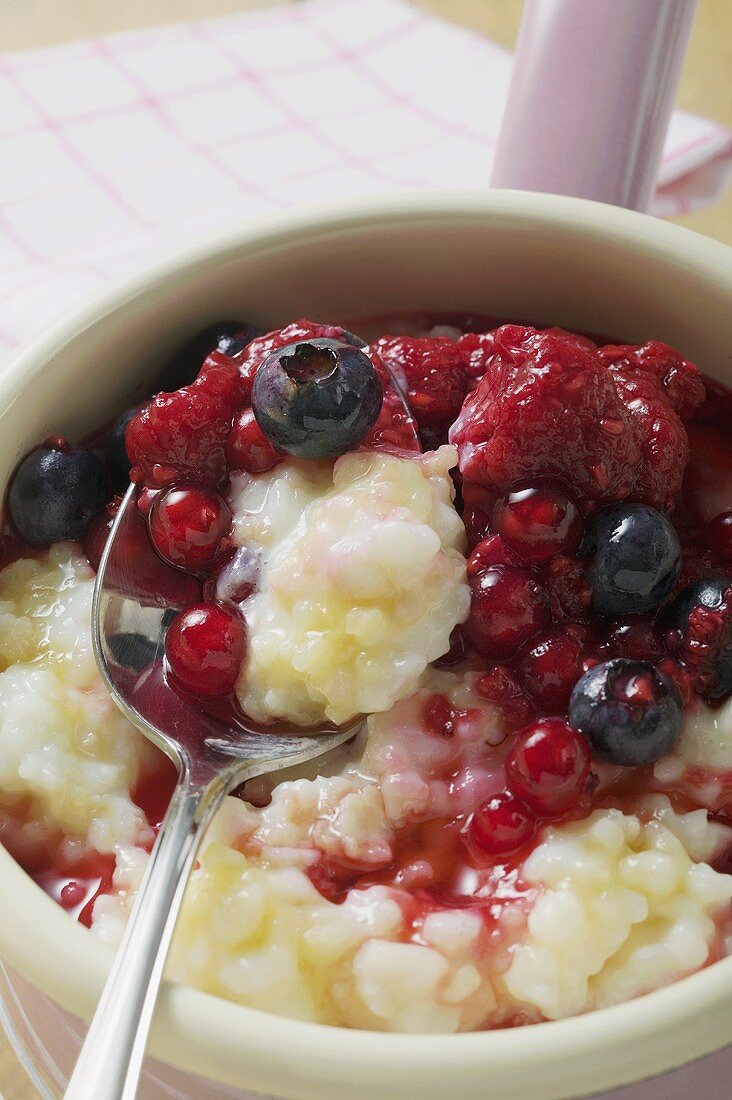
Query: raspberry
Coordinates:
[432,374]
[548,406]
[545,407]
[248,448]
[680,380]
[395,429]
[183,434]
[499,686]
[476,348]
[663,440]
[584,343]
[221,381]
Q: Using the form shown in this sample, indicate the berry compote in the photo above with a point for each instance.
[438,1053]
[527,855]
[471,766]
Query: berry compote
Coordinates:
[594,482]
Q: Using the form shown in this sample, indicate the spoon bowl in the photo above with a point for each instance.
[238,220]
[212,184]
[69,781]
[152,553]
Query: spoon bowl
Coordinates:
[135,597]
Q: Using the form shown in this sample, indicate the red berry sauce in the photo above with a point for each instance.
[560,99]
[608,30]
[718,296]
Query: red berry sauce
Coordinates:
[77,885]
[550,427]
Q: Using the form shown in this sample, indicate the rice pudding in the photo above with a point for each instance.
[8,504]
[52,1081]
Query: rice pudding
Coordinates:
[492,541]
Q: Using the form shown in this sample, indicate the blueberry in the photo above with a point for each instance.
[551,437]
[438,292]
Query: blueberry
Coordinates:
[119,463]
[316,398]
[705,641]
[637,559]
[708,593]
[351,338]
[55,492]
[228,337]
[629,711]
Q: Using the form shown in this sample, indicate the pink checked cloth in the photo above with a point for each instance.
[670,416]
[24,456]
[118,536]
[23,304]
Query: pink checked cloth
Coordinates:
[116,150]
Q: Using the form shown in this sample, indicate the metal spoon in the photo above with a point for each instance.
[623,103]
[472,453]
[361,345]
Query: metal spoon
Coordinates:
[135,598]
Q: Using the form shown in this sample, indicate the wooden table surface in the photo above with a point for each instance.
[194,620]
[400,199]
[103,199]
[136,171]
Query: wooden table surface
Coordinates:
[706,88]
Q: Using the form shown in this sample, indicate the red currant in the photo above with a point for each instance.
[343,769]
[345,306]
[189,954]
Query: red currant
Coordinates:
[501,825]
[204,650]
[552,666]
[508,607]
[186,524]
[547,766]
[538,519]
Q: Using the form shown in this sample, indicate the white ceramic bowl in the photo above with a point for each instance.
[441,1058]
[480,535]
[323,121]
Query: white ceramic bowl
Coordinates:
[542,258]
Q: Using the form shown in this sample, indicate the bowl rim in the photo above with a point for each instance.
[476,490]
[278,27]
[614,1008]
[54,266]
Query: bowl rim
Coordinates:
[208,1035]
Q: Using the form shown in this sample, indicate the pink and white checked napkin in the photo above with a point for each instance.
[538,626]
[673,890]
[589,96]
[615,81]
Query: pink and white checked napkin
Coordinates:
[117,149]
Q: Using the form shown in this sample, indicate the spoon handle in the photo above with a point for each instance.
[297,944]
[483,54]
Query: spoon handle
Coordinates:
[111,1059]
